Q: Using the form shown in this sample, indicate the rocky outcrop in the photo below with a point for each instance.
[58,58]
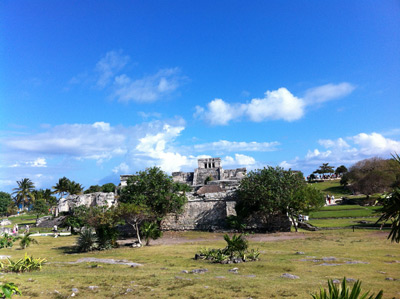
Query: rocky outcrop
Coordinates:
[88,200]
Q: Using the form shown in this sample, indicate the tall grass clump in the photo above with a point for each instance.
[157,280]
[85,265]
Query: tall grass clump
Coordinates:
[341,291]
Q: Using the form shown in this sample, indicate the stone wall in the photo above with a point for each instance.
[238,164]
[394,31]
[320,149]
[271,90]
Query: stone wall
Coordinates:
[88,200]
[200,215]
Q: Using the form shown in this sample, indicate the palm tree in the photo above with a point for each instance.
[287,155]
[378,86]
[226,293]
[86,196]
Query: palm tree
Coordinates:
[150,230]
[61,188]
[24,192]
[391,210]
[27,240]
[74,188]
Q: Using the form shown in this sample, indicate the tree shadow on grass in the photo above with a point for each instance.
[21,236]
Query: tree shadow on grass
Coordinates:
[67,249]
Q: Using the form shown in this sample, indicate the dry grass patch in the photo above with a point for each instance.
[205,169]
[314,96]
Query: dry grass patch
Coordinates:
[161,275]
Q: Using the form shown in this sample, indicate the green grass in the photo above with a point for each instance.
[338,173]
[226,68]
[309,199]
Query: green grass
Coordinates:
[161,273]
[347,222]
[345,211]
[332,188]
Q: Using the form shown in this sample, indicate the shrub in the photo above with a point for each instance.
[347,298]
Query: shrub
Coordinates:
[7,241]
[235,251]
[27,240]
[8,289]
[343,292]
[86,240]
[150,230]
[235,222]
[235,244]
[25,264]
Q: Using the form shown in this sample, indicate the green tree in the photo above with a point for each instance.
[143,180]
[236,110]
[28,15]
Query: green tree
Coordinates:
[374,175]
[341,170]
[27,240]
[133,215]
[155,190]
[150,231]
[109,187]
[74,188]
[93,189]
[104,222]
[61,188]
[269,191]
[76,219]
[325,168]
[40,207]
[391,209]
[5,201]
[303,200]
[24,192]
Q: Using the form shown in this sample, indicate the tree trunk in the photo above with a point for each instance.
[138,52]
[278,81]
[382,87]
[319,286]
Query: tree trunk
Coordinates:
[136,227]
[294,222]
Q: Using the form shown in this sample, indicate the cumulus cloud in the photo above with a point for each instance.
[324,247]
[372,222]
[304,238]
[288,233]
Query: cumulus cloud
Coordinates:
[278,104]
[219,112]
[347,150]
[239,160]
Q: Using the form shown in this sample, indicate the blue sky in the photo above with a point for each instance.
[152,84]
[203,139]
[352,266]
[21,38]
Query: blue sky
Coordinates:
[94,89]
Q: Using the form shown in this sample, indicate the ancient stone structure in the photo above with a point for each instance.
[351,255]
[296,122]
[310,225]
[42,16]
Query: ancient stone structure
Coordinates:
[213,198]
[88,200]
[209,169]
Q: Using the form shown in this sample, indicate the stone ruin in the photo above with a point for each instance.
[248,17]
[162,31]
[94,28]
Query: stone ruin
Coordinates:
[89,200]
[209,169]
[212,198]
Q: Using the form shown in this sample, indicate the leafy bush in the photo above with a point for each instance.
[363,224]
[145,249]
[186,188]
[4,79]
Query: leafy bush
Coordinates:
[235,222]
[7,241]
[235,251]
[150,230]
[86,240]
[343,292]
[27,240]
[235,244]
[25,264]
[8,289]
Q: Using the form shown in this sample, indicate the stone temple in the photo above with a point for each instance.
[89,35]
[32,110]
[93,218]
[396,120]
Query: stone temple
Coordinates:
[209,169]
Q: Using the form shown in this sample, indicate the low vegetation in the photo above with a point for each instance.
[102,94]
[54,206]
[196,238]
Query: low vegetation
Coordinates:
[9,289]
[25,264]
[342,291]
[234,252]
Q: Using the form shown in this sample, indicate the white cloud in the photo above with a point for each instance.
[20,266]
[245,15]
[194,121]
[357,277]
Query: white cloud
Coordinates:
[231,146]
[149,88]
[239,161]
[219,112]
[328,92]
[278,104]
[338,152]
[109,65]
[84,141]
[122,168]
[39,162]
[376,144]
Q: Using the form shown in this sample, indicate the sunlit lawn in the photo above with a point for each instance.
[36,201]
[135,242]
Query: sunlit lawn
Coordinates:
[161,276]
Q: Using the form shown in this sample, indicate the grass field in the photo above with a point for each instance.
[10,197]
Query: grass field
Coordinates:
[161,274]
[345,211]
[332,188]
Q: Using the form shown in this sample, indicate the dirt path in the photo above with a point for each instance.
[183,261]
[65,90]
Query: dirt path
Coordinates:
[170,238]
